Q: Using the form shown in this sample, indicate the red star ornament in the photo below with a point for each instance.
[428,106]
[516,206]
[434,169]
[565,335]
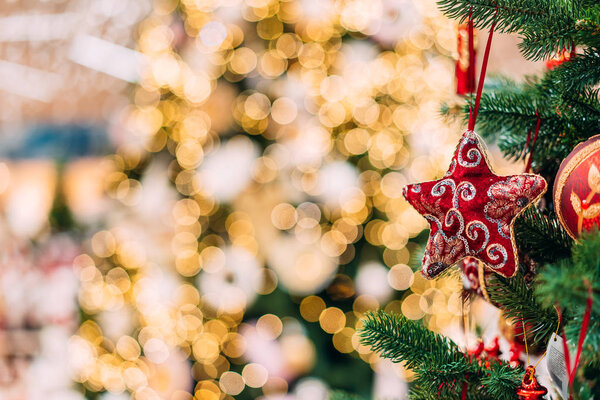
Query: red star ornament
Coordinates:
[471,211]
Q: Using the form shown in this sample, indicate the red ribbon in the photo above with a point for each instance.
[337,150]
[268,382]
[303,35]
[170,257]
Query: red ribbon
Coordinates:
[582,334]
[584,327]
[463,395]
[484,63]
[471,70]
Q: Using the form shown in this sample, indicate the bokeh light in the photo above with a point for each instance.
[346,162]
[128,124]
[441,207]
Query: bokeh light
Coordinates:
[250,211]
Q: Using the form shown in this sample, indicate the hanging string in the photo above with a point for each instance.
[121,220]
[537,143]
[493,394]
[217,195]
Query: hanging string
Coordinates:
[473,110]
[466,317]
[525,149]
[525,339]
[535,136]
[555,334]
[471,69]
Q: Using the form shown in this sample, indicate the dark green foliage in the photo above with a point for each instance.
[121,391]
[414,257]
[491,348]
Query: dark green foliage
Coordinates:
[518,301]
[571,278]
[501,381]
[339,395]
[586,67]
[542,237]
[440,367]
[401,340]
[545,26]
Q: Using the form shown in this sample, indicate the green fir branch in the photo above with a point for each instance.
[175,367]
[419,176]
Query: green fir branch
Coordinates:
[402,340]
[511,17]
[544,41]
[592,339]
[542,237]
[585,66]
[518,301]
[444,378]
[419,393]
[441,369]
[507,115]
[571,278]
[500,383]
[546,27]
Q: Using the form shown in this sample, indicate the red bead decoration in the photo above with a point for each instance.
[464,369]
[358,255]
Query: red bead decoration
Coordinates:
[471,211]
[577,188]
[530,389]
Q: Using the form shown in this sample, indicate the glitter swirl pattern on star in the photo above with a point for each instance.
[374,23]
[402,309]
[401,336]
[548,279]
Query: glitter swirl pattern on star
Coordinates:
[471,211]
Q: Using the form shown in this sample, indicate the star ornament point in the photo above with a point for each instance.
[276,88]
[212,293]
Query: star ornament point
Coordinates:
[471,211]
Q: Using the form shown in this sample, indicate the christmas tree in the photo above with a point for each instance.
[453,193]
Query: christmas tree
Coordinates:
[552,290]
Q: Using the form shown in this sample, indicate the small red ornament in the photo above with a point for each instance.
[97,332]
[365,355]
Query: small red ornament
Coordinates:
[560,58]
[577,188]
[530,389]
[465,65]
[471,211]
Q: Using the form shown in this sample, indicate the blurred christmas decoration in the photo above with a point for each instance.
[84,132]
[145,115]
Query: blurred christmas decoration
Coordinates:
[38,312]
[560,58]
[66,61]
[576,187]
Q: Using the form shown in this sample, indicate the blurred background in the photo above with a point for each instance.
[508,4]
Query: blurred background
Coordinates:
[201,198]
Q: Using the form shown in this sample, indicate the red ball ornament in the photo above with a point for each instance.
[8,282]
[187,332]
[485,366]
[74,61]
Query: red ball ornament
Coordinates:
[577,188]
